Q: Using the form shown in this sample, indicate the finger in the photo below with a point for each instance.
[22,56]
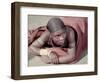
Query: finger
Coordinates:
[45,59]
[56,61]
[53,59]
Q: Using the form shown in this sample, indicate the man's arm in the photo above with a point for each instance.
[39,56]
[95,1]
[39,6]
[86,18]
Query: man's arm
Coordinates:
[34,48]
[37,50]
[69,57]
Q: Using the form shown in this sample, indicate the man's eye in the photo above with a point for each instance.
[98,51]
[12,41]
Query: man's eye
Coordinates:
[56,36]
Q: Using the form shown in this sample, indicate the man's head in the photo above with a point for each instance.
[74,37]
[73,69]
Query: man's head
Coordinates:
[57,29]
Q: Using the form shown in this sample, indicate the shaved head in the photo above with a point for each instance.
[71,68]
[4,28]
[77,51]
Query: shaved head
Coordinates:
[55,24]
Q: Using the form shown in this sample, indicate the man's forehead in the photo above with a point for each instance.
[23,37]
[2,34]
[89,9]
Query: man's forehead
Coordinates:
[58,32]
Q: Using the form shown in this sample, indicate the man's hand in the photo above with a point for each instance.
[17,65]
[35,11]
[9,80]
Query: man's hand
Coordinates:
[45,59]
[51,59]
[54,58]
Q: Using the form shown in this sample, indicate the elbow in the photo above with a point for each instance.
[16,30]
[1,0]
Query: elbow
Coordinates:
[72,59]
[68,59]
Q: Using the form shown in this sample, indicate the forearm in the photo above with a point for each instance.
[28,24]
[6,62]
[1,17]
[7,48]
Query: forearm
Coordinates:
[39,51]
[66,59]
[69,57]
[34,48]
[34,51]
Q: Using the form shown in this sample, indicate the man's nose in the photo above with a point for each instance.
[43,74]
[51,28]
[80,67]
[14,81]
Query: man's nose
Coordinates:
[61,38]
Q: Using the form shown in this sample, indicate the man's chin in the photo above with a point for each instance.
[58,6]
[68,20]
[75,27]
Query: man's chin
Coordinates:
[60,44]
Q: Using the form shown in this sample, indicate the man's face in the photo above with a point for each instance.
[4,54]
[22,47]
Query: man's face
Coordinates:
[59,37]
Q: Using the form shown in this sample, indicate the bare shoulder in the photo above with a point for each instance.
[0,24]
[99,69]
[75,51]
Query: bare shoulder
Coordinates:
[71,37]
[71,33]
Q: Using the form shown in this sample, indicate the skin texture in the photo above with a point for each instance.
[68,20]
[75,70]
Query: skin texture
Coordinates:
[58,37]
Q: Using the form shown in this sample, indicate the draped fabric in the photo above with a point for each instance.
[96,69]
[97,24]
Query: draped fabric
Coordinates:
[80,25]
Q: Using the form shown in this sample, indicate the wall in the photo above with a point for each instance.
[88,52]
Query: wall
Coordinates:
[5,40]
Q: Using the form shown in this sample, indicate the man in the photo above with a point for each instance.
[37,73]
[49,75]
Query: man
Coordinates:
[57,44]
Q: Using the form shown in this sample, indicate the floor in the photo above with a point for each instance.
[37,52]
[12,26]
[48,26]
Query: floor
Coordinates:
[36,61]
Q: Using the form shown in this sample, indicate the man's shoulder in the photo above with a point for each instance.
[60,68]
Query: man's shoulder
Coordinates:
[69,28]
[71,33]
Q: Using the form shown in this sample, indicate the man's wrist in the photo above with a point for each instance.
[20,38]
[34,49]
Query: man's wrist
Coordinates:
[45,52]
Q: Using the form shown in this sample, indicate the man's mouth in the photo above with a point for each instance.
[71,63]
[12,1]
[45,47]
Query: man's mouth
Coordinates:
[61,41]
